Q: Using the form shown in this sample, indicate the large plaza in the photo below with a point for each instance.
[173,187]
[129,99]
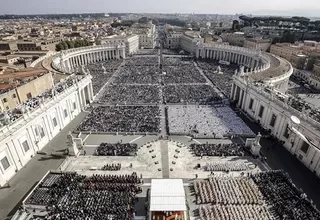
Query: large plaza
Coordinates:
[158,116]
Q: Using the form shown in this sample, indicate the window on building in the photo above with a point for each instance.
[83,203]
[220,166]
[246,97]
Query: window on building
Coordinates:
[29,95]
[25,146]
[42,134]
[65,113]
[261,111]
[7,107]
[5,100]
[14,96]
[273,120]
[5,163]
[36,131]
[251,104]
[286,132]
[305,147]
[54,121]
[74,106]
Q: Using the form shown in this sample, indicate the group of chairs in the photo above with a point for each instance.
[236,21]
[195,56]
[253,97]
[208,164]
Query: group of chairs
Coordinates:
[238,212]
[227,191]
[111,167]
[226,166]
[214,121]
[116,149]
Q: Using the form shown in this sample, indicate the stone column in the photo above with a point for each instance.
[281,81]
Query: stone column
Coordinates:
[232,91]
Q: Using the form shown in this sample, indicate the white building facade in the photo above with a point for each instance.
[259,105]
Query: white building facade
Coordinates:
[131,42]
[23,138]
[68,61]
[259,90]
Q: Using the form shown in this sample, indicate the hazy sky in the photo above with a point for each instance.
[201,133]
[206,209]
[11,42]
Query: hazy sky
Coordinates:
[299,7]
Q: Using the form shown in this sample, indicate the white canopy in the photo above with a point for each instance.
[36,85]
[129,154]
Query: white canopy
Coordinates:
[167,195]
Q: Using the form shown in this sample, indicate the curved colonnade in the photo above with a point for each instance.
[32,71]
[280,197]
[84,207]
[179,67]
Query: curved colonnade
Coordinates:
[67,61]
[258,66]
[259,90]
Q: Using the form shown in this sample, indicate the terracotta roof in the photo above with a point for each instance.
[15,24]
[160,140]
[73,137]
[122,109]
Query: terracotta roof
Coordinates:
[24,73]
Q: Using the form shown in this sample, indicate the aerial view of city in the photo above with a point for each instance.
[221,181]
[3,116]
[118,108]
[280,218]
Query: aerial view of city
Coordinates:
[159,110]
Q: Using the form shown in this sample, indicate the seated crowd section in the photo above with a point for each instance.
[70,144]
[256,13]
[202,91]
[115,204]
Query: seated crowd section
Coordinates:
[264,195]
[131,94]
[142,74]
[222,81]
[74,196]
[226,166]
[101,72]
[113,119]
[191,94]
[217,150]
[116,149]
[206,120]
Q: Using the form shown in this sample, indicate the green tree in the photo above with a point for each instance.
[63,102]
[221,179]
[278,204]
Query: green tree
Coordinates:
[77,43]
[59,47]
[65,45]
[70,44]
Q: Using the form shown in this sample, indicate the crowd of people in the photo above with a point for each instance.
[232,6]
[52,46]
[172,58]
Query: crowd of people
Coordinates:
[226,166]
[147,52]
[177,61]
[191,94]
[111,167]
[230,198]
[239,212]
[131,94]
[174,52]
[102,72]
[112,119]
[304,107]
[219,150]
[227,191]
[285,198]
[116,149]
[74,196]
[35,102]
[142,61]
[138,75]
[96,197]
[206,120]
[182,74]
[263,195]
[222,80]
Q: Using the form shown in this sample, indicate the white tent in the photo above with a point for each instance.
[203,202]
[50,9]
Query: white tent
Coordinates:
[167,195]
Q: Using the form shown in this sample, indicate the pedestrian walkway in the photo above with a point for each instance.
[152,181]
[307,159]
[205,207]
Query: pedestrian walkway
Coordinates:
[279,158]
[164,159]
[36,168]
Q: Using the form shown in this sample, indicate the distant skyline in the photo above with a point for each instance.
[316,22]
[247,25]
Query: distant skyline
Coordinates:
[309,8]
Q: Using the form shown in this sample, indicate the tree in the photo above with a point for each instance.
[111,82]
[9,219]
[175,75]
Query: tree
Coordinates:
[77,43]
[70,44]
[59,47]
[65,45]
